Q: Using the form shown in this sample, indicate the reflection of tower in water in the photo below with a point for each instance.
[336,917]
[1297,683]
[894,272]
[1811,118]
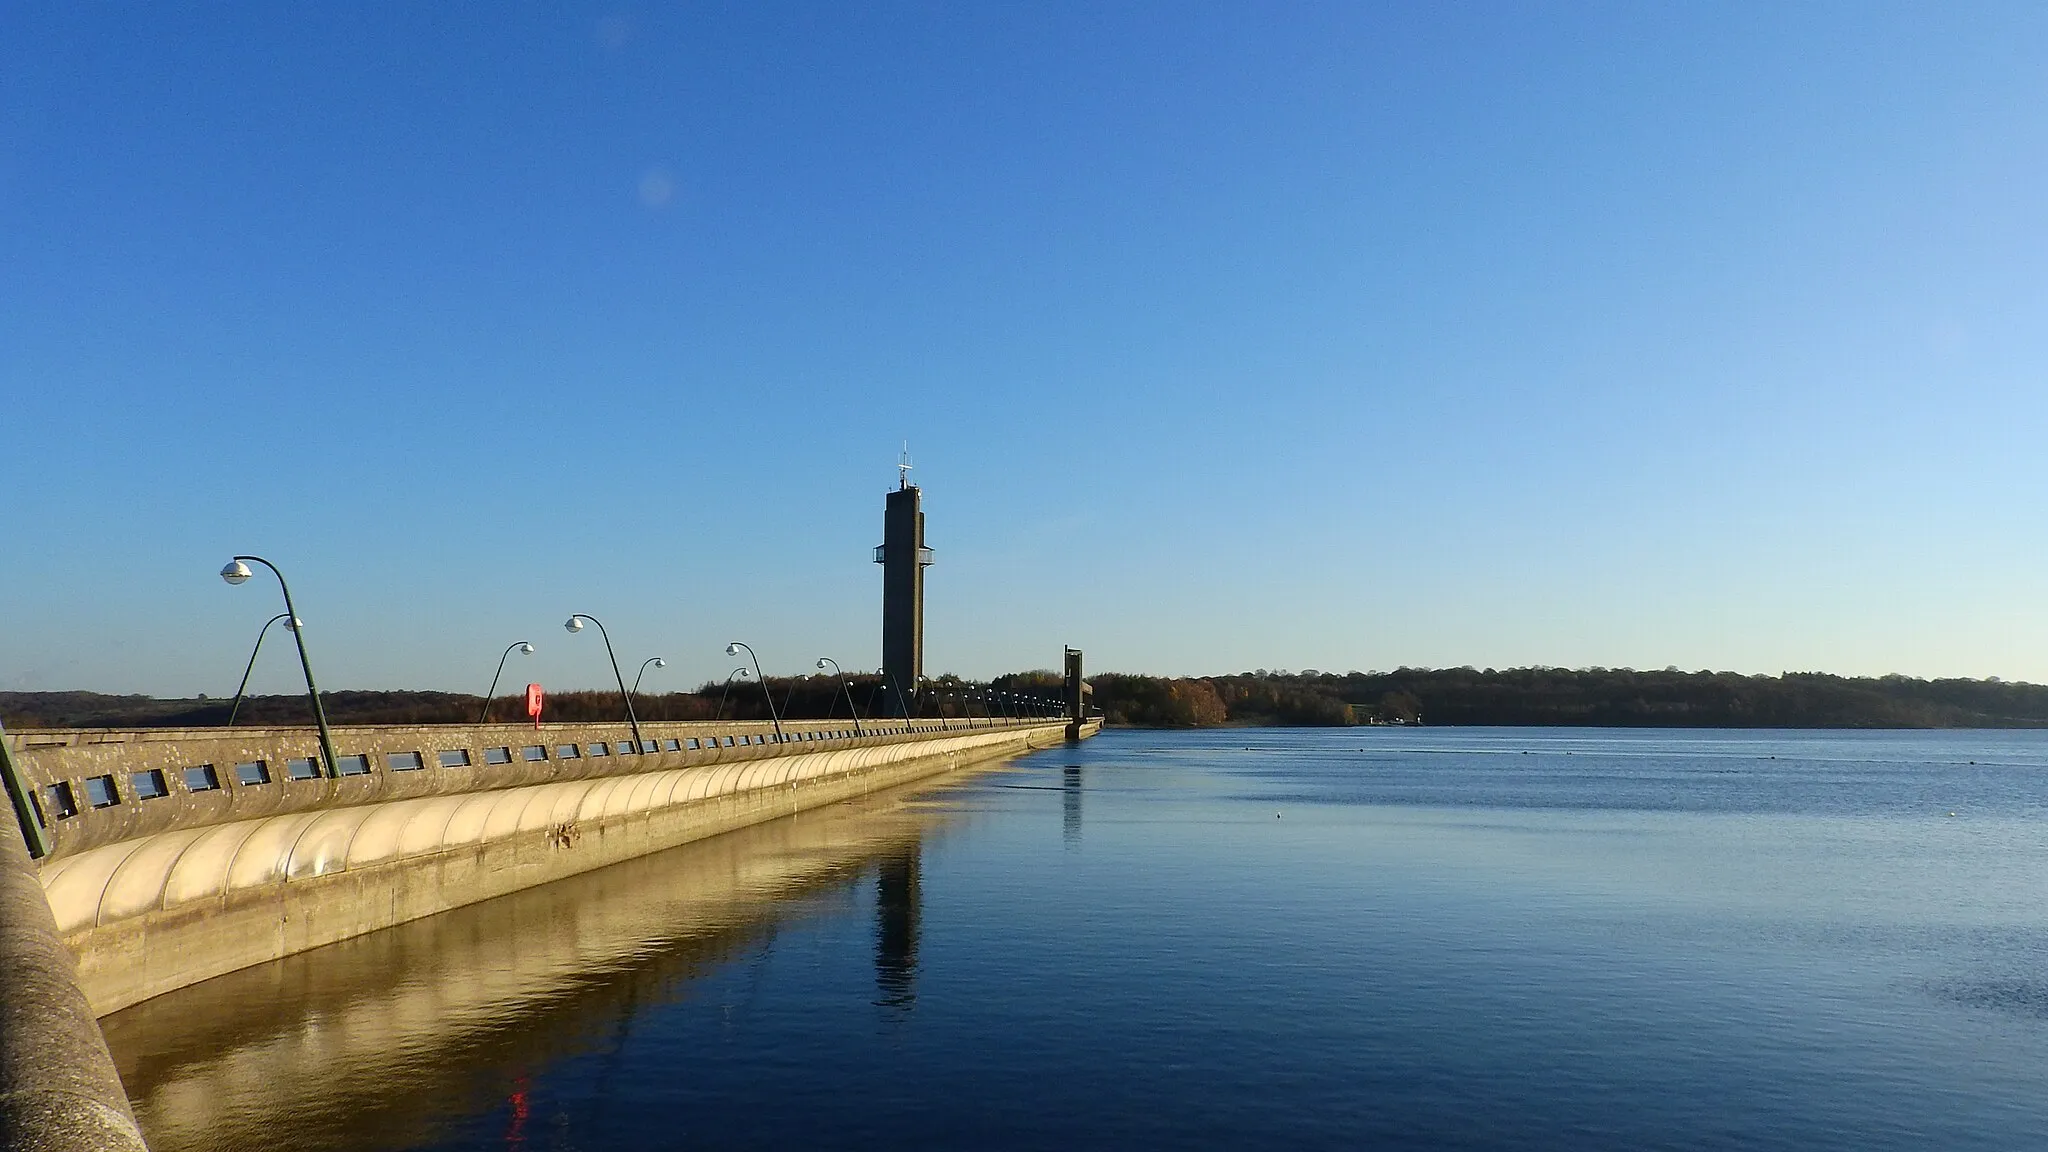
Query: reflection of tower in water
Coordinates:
[1071,795]
[896,911]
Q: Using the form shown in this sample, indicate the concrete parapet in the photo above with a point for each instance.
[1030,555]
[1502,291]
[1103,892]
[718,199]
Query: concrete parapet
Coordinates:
[177,856]
[58,1088]
[93,787]
[155,912]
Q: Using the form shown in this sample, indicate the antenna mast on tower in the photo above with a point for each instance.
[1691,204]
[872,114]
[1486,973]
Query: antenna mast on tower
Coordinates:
[903,467]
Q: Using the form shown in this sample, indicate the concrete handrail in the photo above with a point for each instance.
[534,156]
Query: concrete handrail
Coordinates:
[59,1091]
[61,767]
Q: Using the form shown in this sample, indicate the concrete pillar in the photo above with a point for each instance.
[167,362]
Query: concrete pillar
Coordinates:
[1077,693]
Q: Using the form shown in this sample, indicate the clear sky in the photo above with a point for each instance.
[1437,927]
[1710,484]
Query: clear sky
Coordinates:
[1260,335]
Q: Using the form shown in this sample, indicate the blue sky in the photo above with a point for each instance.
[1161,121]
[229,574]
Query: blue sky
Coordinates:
[1223,336]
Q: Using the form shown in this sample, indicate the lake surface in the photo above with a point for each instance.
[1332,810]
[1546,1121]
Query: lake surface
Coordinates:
[1398,938]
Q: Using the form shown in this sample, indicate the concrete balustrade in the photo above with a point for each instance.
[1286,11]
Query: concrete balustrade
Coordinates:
[176,856]
[178,880]
[101,786]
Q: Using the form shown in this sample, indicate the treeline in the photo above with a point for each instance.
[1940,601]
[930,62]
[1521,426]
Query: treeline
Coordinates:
[1608,697]
[1605,697]
[798,697]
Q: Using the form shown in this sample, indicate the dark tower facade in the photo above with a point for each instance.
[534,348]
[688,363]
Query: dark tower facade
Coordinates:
[903,558]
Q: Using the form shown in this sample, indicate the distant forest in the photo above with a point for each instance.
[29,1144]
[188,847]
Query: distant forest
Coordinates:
[1609,697]
[799,697]
[1592,697]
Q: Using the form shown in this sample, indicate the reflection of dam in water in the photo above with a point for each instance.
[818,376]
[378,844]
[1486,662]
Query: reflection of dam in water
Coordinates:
[381,1040]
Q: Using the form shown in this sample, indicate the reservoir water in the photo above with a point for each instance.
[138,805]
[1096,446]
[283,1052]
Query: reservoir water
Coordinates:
[1396,938]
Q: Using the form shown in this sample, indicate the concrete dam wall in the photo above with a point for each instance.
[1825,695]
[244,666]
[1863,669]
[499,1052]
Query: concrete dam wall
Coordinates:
[177,856]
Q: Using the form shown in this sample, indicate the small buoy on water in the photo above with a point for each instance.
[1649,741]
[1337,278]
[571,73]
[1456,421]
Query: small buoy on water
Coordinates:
[1276,815]
[1951,813]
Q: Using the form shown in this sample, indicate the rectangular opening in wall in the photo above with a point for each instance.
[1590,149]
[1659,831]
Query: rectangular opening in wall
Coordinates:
[302,768]
[671,745]
[497,755]
[568,752]
[692,744]
[728,741]
[600,749]
[201,778]
[535,751]
[624,748]
[355,765]
[453,757]
[648,746]
[404,761]
[148,785]
[60,799]
[99,792]
[250,773]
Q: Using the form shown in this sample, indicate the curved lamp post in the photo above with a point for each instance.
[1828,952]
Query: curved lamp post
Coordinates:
[901,699]
[720,714]
[733,649]
[822,661]
[657,661]
[236,571]
[251,667]
[575,624]
[525,649]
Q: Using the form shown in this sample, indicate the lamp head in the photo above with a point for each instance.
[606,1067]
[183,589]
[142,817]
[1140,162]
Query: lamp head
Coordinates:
[526,649]
[821,663]
[235,572]
[660,663]
[732,649]
[574,624]
[294,623]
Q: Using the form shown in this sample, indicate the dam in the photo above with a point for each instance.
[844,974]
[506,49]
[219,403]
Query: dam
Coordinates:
[148,860]
[171,857]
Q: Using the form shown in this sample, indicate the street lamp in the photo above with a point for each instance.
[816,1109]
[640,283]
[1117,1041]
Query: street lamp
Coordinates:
[575,624]
[525,649]
[244,686]
[236,571]
[824,660]
[926,687]
[733,649]
[657,661]
[900,698]
[720,714]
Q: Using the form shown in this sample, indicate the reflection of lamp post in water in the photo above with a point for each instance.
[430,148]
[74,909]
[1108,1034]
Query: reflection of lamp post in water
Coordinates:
[251,667]
[236,571]
[525,649]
